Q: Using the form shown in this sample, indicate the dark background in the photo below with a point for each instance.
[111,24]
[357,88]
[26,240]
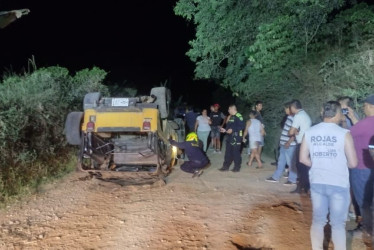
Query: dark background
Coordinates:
[140,42]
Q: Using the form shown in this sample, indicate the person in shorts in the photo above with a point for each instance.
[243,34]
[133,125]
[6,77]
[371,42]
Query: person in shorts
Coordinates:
[255,130]
[217,118]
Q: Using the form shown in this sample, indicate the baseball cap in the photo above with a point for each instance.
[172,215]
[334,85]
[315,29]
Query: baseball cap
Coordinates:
[216,105]
[370,99]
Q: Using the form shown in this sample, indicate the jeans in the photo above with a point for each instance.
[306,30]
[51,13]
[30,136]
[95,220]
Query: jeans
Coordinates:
[362,187]
[203,136]
[302,171]
[325,199]
[286,156]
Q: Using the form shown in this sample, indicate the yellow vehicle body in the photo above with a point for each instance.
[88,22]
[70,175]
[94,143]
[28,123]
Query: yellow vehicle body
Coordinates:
[125,134]
[126,120]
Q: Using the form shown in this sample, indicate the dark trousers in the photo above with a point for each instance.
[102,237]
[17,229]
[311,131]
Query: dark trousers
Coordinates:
[302,172]
[191,166]
[232,153]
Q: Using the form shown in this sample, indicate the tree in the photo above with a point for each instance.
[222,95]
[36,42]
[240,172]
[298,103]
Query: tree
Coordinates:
[276,50]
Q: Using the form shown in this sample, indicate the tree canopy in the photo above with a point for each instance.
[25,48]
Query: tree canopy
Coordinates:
[276,50]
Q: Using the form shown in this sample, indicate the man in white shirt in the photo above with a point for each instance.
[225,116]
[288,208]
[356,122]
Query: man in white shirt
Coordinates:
[301,123]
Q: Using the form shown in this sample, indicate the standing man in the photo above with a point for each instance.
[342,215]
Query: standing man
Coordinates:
[287,155]
[190,119]
[217,118]
[301,123]
[345,104]
[234,130]
[329,150]
[361,177]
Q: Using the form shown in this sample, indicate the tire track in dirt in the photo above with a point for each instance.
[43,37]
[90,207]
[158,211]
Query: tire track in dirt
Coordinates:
[216,211]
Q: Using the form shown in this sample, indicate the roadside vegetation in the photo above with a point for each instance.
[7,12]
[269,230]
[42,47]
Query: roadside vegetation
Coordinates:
[278,50]
[32,115]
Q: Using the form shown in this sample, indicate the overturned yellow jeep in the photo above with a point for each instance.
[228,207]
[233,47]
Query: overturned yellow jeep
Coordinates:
[125,135]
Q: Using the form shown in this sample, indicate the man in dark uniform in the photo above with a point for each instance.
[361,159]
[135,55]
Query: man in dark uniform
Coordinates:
[234,130]
[196,156]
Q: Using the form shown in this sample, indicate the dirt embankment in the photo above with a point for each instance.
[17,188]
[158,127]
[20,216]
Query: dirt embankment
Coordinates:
[216,211]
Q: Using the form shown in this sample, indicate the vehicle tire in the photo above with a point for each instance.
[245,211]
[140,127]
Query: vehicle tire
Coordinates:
[73,128]
[91,100]
[163,100]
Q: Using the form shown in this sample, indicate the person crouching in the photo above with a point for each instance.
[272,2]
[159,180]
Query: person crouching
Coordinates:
[197,159]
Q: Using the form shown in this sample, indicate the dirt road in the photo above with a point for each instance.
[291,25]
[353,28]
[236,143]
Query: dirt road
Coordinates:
[215,211]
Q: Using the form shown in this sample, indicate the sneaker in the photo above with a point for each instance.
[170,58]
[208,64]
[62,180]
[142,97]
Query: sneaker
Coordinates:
[218,152]
[197,173]
[271,179]
[235,170]
[288,183]
[274,163]
[223,169]
[214,152]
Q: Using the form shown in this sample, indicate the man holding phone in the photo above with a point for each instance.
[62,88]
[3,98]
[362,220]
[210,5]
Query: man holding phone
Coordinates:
[347,111]
[361,178]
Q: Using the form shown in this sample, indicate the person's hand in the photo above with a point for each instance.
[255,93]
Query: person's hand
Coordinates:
[244,140]
[371,151]
[287,145]
[222,130]
[229,131]
[350,113]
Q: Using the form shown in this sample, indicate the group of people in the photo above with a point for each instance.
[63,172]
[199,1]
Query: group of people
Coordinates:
[232,126]
[333,160]
[205,125]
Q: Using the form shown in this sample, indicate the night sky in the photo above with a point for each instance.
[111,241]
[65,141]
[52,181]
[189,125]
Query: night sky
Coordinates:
[140,41]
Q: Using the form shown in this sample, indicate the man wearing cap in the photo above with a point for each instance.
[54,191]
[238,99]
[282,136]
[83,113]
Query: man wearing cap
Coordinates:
[217,118]
[362,181]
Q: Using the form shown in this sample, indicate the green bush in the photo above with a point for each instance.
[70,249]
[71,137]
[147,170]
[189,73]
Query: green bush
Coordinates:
[33,111]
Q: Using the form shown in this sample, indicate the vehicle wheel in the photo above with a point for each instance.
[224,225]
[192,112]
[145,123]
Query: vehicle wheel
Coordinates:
[163,100]
[91,100]
[73,128]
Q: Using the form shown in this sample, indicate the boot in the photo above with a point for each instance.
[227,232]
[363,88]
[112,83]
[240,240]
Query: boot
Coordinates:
[297,190]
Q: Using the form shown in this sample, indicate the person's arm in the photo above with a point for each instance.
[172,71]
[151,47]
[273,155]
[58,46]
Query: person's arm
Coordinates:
[196,124]
[293,131]
[180,145]
[223,119]
[350,151]
[263,132]
[246,130]
[304,153]
[294,127]
[209,120]
[288,143]
[226,119]
[351,115]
